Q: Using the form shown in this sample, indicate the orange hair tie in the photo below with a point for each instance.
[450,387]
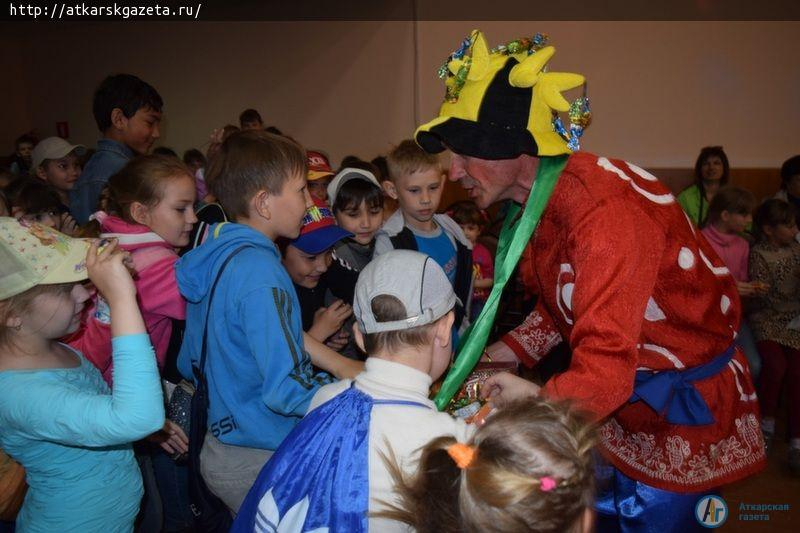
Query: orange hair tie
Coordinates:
[462,454]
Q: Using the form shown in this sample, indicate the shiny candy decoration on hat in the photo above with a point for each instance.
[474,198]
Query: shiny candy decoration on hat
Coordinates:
[456,68]
[580,116]
[501,102]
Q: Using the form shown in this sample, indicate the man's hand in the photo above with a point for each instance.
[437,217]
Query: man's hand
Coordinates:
[503,388]
[499,352]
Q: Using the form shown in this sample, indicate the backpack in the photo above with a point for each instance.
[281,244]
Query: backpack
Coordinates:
[318,479]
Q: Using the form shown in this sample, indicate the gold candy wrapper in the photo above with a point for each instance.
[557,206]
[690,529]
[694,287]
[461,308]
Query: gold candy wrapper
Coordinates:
[461,406]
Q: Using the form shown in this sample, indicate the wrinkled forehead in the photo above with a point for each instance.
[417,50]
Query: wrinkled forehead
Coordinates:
[490,167]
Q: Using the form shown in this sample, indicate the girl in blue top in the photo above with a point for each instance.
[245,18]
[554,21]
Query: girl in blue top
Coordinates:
[58,417]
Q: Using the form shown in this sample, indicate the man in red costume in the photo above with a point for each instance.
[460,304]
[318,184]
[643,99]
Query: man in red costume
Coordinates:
[649,310]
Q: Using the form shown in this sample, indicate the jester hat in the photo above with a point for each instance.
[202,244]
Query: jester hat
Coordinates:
[503,103]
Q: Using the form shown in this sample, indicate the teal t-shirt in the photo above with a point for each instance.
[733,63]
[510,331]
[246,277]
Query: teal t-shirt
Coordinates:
[73,437]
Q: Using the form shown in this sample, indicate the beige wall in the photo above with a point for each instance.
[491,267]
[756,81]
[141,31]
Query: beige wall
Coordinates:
[333,85]
[660,90]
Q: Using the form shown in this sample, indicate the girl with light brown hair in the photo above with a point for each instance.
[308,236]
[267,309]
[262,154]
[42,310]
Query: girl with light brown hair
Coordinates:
[529,468]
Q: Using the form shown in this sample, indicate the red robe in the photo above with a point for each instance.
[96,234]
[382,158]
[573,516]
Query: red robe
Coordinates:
[626,278]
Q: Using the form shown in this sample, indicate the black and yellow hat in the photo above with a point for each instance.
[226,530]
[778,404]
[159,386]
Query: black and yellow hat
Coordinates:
[503,103]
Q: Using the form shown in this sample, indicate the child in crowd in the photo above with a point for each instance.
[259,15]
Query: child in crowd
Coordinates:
[382,173]
[529,468]
[357,202]
[23,149]
[790,182]
[472,221]
[250,119]
[416,182]
[55,161]
[319,176]
[32,200]
[260,378]
[127,111]
[775,261]
[380,165]
[306,259]
[194,159]
[729,216]
[149,207]
[331,463]
[59,418]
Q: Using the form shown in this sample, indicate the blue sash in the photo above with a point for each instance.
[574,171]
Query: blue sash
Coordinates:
[318,479]
[672,395]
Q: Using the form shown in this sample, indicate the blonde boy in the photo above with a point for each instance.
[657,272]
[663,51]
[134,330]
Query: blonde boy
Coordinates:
[416,181]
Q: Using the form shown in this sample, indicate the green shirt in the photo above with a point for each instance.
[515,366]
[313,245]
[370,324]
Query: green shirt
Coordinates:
[694,204]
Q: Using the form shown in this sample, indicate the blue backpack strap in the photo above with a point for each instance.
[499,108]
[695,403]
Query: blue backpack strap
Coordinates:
[393,402]
[400,402]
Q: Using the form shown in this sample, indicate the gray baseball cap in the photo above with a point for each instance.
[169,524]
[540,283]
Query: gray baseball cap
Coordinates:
[413,278]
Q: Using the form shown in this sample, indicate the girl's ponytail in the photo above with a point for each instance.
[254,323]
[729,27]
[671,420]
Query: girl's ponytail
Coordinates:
[529,468]
[429,499]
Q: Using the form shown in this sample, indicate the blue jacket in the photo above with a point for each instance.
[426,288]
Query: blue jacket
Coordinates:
[260,378]
[109,158]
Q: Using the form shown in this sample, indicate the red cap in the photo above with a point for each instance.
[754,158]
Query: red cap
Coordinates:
[318,165]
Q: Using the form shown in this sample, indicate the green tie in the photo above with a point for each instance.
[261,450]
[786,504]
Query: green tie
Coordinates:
[514,237]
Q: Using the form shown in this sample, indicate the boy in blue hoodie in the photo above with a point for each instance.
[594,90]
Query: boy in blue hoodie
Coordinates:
[260,378]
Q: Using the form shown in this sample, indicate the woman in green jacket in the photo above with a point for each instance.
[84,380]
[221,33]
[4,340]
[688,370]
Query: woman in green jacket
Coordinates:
[711,172]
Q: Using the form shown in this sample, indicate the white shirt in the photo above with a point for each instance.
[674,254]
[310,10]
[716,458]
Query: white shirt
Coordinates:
[403,427]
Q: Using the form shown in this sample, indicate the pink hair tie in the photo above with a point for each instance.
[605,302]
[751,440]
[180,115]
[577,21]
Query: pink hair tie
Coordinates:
[547,484]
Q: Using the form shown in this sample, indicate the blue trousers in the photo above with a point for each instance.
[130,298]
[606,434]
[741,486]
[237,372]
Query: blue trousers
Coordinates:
[172,480]
[626,506]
